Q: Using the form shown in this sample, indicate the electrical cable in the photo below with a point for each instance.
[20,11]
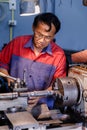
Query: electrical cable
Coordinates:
[11,27]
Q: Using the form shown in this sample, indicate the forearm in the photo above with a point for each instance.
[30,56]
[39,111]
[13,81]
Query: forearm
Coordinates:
[4,71]
[79,56]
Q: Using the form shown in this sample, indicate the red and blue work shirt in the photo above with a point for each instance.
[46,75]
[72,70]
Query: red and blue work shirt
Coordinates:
[19,59]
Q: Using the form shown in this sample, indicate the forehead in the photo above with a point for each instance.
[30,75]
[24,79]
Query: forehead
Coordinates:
[42,27]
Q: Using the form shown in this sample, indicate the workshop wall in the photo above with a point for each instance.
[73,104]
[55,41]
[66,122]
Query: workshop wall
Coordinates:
[72,14]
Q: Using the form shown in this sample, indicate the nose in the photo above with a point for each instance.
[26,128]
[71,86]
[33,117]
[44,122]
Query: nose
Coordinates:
[43,38]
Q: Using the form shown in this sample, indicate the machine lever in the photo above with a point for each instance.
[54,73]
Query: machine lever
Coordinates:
[7,76]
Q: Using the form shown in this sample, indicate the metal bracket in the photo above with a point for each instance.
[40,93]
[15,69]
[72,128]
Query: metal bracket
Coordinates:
[12,4]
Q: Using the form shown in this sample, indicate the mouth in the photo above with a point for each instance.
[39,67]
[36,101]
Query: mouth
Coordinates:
[39,44]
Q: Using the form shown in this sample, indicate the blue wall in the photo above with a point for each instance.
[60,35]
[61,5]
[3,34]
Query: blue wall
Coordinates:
[72,14]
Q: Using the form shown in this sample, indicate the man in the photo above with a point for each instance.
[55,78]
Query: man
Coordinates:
[37,55]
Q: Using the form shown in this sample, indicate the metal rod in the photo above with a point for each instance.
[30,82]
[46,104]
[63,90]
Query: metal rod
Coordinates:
[36,93]
[7,76]
[8,95]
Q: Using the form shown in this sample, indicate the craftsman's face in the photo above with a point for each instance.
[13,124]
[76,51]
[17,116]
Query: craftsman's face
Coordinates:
[42,37]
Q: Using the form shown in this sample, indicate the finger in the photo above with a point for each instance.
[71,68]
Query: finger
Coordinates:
[33,100]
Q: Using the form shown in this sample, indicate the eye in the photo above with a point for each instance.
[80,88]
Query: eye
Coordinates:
[48,37]
[40,35]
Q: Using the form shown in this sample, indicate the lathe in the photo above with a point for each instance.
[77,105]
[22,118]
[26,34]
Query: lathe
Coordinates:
[70,107]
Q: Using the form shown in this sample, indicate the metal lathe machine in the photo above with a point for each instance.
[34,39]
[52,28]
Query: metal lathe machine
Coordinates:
[70,107]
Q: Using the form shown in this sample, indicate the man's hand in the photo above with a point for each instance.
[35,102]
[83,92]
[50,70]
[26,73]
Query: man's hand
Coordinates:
[32,101]
[9,82]
[4,73]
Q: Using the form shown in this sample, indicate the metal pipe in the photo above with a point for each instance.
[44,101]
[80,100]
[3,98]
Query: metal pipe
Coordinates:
[41,93]
[7,76]
[8,95]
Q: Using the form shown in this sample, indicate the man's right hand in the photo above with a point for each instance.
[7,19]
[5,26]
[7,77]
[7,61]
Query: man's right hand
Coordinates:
[4,73]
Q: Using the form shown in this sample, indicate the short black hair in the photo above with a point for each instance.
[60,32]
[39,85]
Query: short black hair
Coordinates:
[49,19]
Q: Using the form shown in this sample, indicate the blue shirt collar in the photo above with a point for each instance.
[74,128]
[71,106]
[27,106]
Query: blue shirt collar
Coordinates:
[46,49]
[29,44]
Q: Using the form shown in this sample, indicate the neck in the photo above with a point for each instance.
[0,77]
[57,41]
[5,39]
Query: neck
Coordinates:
[37,51]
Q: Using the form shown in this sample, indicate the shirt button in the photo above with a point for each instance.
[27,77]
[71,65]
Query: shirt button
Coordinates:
[30,75]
